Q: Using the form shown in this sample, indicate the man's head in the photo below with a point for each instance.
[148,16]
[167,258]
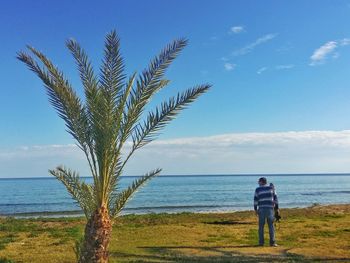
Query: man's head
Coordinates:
[262,181]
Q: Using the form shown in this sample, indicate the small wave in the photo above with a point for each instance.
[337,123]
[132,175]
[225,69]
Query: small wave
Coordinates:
[341,192]
[45,214]
[326,192]
[172,207]
[36,204]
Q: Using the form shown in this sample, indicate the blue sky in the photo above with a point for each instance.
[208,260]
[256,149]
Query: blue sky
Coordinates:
[275,67]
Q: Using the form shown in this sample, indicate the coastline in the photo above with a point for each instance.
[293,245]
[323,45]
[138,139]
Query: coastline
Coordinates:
[79,213]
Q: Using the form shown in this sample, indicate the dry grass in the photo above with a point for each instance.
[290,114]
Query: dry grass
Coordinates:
[305,235]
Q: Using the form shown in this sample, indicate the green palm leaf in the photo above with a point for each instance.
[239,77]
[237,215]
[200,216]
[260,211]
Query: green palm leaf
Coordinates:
[85,68]
[79,190]
[124,196]
[112,70]
[144,133]
[149,83]
[63,99]
[90,84]
[158,119]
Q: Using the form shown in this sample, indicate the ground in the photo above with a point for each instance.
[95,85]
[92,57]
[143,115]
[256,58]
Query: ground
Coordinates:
[314,234]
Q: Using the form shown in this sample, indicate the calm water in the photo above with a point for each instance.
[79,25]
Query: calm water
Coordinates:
[180,193]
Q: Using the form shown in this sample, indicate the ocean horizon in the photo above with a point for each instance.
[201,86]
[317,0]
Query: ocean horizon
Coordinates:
[201,175]
[46,196]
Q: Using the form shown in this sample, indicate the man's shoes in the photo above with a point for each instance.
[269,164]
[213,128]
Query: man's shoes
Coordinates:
[261,245]
[274,245]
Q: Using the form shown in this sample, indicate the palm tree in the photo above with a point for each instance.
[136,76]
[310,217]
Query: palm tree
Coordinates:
[112,113]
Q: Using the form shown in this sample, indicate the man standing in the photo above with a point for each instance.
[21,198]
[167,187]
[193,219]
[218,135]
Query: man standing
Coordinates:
[265,200]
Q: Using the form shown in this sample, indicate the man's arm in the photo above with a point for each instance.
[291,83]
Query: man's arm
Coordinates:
[256,201]
[275,199]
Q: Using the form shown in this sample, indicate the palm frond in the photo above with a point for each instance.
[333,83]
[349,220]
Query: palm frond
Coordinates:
[123,197]
[88,78]
[150,82]
[90,84]
[119,113]
[83,193]
[158,119]
[64,100]
[61,95]
[104,125]
[144,133]
[101,100]
[84,65]
[118,138]
[112,76]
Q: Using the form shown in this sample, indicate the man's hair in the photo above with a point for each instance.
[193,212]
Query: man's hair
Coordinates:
[262,180]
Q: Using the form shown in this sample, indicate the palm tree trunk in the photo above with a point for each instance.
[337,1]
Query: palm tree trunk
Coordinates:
[97,237]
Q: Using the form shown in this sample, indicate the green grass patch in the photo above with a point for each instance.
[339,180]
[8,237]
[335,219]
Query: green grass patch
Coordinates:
[6,240]
[18,225]
[252,237]
[217,238]
[65,234]
[325,233]
[289,240]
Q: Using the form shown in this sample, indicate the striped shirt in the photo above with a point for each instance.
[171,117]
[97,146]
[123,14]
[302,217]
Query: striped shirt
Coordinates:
[265,197]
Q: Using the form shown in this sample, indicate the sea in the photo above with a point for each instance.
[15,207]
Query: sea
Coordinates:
[27,197]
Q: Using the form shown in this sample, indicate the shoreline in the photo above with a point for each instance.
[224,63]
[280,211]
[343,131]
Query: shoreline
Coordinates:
[79,213]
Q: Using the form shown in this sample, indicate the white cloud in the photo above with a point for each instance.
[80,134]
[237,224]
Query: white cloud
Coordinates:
[286,66]
[328,50]
[250,47]
[345,42]
[229,66]
[236,29]
[261,70]
[320,54]
[36,160]
[315,138]
[282,152]
[278,152]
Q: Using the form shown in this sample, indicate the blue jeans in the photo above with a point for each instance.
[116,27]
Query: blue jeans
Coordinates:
[266,214]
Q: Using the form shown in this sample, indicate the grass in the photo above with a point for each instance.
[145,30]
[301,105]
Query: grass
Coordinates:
[318,233]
